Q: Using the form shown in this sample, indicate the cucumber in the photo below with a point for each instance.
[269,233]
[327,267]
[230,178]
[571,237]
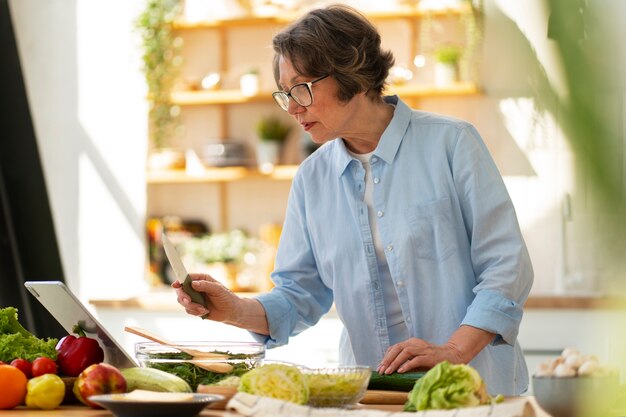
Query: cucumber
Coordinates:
[394,382]
[152,379]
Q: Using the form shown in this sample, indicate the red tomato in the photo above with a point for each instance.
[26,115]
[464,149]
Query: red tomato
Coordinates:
[43,366]
[24,366]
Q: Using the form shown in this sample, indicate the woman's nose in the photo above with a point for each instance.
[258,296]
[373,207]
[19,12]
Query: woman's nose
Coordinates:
[294,107]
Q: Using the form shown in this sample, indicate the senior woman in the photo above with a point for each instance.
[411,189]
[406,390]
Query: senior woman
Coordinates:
[401,219]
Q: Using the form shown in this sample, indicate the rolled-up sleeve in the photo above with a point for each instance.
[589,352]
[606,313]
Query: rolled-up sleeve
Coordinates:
[281,318]
[493,312]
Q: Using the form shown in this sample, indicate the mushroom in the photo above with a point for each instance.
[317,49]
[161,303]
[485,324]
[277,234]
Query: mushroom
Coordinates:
[588,367]
[574,360]
[563,370]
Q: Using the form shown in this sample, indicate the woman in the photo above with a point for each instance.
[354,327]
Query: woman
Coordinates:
[401,219]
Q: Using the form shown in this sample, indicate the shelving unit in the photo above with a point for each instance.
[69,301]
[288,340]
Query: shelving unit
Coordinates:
[224,103]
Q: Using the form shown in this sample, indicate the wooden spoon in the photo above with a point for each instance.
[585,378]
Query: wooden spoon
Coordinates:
[199,357]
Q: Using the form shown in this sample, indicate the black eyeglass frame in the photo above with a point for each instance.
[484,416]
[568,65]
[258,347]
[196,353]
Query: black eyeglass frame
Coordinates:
[284,104]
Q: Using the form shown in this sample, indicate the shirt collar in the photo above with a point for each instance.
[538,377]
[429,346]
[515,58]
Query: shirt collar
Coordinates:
[389,141]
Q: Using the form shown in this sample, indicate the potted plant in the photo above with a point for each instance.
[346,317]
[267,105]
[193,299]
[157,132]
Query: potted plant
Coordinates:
[447,65]
[161,58]
[272,132]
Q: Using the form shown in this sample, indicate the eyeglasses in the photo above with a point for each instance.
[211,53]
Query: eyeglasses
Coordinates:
[300,93]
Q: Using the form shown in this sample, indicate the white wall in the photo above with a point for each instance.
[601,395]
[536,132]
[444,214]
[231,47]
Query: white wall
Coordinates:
[81,64]
[558,211]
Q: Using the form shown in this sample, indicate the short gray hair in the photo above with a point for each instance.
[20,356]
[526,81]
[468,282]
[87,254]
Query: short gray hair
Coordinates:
[340,41]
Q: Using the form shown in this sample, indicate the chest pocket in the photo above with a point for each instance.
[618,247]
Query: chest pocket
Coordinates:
[432,230]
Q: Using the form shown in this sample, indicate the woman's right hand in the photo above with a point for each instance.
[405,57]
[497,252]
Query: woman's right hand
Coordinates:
[221,302]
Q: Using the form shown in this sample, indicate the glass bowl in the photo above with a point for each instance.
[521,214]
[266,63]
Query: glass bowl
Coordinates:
[201,362]
[341,387]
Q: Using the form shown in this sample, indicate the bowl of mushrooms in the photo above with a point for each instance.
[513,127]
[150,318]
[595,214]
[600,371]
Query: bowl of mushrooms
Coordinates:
[575,385]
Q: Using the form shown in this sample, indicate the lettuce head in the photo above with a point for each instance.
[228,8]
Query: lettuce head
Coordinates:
[447,386]
[283,382]
[18,343]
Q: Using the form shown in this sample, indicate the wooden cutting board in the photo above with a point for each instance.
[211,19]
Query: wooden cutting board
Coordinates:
[384,397]
[226,392]
[370,397]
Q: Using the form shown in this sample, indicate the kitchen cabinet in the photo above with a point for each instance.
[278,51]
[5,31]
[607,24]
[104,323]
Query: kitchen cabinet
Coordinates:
[222,197]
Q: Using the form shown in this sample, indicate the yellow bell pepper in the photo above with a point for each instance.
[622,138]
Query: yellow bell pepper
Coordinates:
[45,392]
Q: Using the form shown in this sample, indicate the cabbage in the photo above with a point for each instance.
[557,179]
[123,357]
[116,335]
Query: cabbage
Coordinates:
[448,386]
[283,382]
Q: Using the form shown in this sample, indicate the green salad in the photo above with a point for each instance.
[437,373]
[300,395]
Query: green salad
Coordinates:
[176,363]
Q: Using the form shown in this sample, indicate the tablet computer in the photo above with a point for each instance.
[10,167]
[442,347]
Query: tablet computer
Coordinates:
[69,311]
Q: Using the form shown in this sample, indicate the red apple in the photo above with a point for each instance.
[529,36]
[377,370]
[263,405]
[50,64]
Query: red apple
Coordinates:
[96,379]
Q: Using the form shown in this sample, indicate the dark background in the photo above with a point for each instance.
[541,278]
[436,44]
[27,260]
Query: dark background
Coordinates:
[28,245]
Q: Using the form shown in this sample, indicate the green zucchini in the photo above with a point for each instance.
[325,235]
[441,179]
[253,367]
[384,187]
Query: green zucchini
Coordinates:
[394,382]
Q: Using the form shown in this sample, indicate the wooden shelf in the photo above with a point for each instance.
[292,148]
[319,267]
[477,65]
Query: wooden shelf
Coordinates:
[406,12]
[195,98]
[464,88]
[191,98]
[220,175]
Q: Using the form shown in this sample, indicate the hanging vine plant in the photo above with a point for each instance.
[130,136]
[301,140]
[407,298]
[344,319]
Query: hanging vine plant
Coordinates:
[474,28]
[162,61]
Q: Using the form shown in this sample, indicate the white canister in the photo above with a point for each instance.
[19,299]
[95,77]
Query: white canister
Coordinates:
[249,84]
[445,74]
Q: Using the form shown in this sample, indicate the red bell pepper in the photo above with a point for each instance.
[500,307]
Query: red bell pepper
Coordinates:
[75,354]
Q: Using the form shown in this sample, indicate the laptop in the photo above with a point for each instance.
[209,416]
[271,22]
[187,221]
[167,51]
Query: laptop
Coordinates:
[69,311]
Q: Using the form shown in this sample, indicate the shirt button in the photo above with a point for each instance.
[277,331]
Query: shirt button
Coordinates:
[376,180]
[380,213]
[408,319]
[400,283]
[389,248]
[374,159]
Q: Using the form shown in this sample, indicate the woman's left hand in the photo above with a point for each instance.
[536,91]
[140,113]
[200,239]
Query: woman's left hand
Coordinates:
[413,354]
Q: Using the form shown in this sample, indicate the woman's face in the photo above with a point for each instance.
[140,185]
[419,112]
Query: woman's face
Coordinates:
[327,118]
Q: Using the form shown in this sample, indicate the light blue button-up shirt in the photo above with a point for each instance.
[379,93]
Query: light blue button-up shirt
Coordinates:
[450,235]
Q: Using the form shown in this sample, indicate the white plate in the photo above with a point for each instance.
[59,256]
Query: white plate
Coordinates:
[128,407]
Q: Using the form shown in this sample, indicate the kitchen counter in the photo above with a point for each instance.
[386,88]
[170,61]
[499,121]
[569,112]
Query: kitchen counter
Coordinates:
[550,324]
[164,300]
